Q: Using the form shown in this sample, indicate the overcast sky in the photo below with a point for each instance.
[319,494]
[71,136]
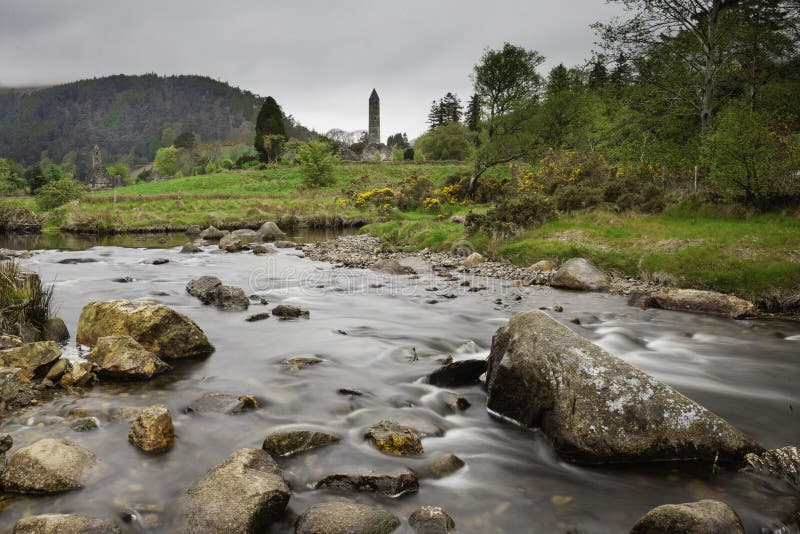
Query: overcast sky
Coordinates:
[319,59]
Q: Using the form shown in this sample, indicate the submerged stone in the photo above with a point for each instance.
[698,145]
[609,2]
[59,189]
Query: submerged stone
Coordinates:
[392,438]
[222,403]
[290,442]
[64,524]
[702,517]
[390,483]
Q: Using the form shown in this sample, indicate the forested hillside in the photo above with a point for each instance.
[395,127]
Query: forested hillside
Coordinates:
[128,116]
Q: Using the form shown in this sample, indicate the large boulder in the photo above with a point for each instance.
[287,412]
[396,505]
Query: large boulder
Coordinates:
[345,518]
[31,357]
[64,524]
[243,493]
[124,358]
[269,231]
[152,430]
[230,298]
[48,466]
[233,243]
[783,463]
[595,407]
[702,517]
[579,273]
[203,288]
[695,301]
[171,335]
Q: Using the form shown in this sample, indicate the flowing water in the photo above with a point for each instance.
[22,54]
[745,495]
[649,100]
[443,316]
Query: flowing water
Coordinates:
[366,327]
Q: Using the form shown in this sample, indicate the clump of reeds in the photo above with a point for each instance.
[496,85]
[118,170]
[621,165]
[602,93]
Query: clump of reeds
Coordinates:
[24,304]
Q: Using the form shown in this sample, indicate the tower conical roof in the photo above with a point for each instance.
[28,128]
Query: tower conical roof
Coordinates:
[374,94]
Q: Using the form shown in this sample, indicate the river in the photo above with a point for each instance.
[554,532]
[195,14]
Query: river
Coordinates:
[366,327]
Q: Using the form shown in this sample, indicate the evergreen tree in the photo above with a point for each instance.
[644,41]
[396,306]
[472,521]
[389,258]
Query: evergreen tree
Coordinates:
[598,75]
[473,116]
[269,129]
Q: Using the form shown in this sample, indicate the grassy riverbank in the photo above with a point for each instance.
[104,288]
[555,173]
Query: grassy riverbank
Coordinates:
[694,246]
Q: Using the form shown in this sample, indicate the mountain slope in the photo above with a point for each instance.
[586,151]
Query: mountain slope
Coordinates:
[124,115]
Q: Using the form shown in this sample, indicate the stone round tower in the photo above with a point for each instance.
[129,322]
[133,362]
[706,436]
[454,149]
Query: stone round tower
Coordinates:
[374,136]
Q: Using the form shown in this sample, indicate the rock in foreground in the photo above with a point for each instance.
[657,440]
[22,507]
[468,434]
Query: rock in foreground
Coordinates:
[64,524]
[152,431]
[579,273]
[702,517]
[124,358]
[783,463]
[595,407]
[696,301]
[346,518]
[243,493]
[169,334]
[48,466]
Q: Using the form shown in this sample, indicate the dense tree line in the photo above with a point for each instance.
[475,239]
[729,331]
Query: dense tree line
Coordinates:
[129,117]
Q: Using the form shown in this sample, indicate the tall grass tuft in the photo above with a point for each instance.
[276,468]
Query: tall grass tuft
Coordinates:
[24,304]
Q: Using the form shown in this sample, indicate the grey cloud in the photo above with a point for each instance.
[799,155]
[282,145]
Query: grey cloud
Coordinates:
[319,59]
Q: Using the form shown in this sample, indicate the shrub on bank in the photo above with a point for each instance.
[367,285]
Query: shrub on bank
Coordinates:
[59,192]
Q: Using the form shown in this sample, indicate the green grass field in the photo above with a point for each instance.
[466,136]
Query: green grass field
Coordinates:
[757,257]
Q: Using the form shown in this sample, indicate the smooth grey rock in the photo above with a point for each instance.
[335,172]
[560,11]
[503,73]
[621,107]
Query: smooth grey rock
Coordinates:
[48,466]
[243,493]
[346,518]
[288,311]
[64,524]
[232,243]
[702,517]
[221,403]
[579,273]
[695,301]
[269,231]
[595,407]
[212,233]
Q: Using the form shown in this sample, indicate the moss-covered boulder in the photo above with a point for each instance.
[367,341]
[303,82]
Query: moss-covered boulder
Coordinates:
[31,358]
[169,334]
[595,407]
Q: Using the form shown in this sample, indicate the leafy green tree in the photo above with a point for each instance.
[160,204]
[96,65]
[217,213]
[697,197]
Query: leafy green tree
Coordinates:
[451,141]
[317,161]
[119,169]
[185,140]
[11,178]
[35,178]
[751,161]
[506,79]
[270,131]
[166,161]
[58,192]
[397,154]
